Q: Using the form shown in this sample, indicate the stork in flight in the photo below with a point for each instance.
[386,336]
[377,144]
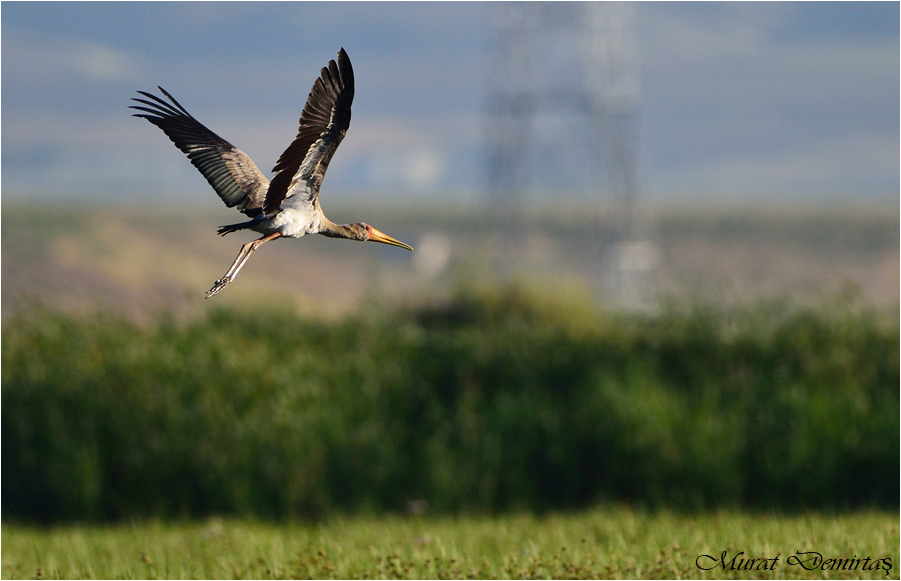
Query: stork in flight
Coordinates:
[287,207]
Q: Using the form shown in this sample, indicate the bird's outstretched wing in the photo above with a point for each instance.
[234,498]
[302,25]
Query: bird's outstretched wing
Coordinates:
[323,123]
[228,169]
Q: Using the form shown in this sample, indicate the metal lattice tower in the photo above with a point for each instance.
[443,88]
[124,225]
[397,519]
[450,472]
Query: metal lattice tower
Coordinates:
[562,110]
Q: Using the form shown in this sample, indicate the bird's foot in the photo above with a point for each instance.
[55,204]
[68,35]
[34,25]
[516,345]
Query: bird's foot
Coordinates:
[218,286]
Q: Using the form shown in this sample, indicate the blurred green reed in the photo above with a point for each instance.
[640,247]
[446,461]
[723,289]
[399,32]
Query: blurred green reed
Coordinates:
[493,400]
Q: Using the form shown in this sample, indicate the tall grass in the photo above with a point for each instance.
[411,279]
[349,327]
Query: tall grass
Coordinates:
[493,400]
[601,543]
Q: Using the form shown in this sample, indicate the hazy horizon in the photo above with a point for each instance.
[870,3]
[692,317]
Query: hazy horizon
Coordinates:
[740,103]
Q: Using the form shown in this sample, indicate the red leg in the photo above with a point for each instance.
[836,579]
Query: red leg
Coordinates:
[246,251]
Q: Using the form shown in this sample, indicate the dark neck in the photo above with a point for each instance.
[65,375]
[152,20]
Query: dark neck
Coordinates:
[348,231]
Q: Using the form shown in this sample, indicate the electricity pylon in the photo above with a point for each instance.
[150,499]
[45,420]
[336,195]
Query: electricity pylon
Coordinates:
[562,114]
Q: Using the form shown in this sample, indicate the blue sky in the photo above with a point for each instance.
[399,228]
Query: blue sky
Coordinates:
[747,102]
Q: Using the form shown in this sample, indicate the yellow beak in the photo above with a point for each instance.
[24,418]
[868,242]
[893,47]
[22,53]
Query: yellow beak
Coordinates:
[377,236]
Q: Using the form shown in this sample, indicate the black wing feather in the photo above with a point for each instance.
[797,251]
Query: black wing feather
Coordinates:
[229,170]
[323,124]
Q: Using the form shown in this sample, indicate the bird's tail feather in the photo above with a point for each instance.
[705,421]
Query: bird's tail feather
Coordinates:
[229,228]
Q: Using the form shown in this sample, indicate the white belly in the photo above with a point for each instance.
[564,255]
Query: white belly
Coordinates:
[291,223]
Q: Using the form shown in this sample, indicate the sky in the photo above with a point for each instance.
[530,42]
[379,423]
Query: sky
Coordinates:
[747,102]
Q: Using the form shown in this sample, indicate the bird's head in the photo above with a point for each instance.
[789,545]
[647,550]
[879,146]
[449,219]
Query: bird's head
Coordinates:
[372,235]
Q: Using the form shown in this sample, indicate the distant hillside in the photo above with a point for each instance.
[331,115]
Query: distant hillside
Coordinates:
[138,260]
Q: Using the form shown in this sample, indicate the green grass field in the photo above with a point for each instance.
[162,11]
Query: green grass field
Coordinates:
[602,543]
[274,433]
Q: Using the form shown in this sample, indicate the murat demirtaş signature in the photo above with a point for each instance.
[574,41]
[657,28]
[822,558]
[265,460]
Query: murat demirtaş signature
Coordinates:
[809,560]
